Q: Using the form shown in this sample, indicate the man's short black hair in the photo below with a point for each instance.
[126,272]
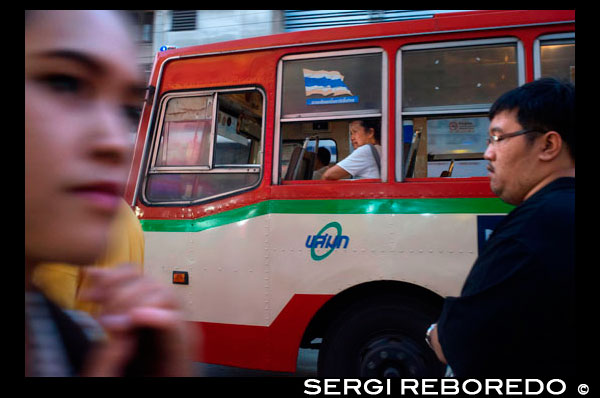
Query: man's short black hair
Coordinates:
[543,105]
[324,155]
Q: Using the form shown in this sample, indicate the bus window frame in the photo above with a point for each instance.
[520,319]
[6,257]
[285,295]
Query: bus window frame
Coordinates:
[449,110]
[567,38]
[152,169]
[383,114]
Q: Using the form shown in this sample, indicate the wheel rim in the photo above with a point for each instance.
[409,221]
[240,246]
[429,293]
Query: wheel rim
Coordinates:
[392,355]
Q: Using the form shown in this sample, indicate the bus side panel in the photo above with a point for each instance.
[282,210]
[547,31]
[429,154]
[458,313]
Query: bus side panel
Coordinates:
[258,347]
[249,267]
[349,249]
[226,268]
[244,292]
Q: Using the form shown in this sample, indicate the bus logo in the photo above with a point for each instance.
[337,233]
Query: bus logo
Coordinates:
[320,241]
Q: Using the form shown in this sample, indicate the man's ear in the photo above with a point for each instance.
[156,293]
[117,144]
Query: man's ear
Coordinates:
[551,146]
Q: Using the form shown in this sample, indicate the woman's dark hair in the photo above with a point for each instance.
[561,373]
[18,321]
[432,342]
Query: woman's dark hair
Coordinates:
[374,124]
[543,105]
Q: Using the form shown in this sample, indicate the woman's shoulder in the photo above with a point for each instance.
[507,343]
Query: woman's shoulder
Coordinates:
[362,150]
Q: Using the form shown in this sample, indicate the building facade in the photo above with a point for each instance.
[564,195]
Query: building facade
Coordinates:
[182,28]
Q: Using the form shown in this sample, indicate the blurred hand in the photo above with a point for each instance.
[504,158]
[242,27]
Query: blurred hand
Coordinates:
[132,303]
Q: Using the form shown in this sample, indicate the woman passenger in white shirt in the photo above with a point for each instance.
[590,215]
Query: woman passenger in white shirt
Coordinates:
[360,163]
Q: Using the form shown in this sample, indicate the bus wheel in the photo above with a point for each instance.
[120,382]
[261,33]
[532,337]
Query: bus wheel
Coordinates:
[381,338]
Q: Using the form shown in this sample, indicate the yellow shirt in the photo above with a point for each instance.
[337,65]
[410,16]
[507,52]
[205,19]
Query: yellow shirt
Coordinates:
[61,282]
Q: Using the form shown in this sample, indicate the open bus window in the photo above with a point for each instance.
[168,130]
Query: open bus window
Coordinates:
[289,146]
[208,145]
[299,146]
[299,141]
[238,128]
[446,147]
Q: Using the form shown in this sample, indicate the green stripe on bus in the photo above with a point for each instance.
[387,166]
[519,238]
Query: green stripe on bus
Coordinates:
[345,206]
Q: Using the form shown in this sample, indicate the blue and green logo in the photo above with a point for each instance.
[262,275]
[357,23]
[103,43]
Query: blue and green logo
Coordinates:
[326,241]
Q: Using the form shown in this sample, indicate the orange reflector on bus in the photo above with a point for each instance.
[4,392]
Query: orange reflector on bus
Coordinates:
[180,278]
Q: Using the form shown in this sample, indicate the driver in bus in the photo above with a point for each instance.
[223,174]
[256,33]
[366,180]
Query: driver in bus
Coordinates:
[362,163]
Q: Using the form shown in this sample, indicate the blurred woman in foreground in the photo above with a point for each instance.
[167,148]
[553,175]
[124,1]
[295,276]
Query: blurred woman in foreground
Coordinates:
[82,89]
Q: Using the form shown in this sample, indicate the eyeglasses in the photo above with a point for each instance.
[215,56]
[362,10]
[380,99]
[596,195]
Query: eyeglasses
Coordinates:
[496,138]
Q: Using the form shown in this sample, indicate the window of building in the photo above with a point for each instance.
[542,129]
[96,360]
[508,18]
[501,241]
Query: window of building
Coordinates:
[147,24]
[183,20]
[144,22]
[208,144]
[446,92]
[320,95]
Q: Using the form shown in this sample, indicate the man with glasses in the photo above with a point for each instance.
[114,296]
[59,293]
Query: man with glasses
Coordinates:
[515,315]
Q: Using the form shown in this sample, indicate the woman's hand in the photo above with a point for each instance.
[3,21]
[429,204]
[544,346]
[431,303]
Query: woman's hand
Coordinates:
[132,305]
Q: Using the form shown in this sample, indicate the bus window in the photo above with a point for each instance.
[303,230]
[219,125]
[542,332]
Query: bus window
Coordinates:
[328,144]
[238,129]
[455,146]
[332,85]
[321,93]
[554,56]
[457,76]
[447,89]
[186,133]
[200,156]
[296,135]
[289,145]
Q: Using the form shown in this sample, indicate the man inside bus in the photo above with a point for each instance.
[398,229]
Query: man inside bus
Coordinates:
[363,162]
[515,315]
[321,163]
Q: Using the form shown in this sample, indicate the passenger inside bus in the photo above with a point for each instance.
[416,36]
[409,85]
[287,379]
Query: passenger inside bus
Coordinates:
[364,161]
[321,163]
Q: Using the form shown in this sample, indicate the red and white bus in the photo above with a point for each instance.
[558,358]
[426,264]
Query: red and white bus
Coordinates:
[267,260]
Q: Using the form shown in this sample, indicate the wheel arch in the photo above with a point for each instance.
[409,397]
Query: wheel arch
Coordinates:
[358,293]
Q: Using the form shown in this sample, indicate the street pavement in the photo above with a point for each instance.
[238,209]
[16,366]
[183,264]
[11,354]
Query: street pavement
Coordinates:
[306,367]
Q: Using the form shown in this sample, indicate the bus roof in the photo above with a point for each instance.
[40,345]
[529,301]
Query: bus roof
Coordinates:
[439,23]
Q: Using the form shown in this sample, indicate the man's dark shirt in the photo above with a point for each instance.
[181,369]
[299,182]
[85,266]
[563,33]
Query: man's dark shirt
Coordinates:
[516,313]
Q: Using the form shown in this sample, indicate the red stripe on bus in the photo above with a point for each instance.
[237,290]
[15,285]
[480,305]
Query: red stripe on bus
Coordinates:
[435,188]
[273,347]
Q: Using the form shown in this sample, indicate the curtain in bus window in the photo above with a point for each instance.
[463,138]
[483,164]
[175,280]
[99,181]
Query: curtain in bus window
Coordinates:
[346,84]
[457,76]
[185,139]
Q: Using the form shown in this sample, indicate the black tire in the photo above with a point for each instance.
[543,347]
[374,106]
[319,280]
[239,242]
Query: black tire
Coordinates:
[380,337]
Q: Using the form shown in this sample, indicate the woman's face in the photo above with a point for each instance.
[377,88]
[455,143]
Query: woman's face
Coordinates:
[359,136]
[82,89]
